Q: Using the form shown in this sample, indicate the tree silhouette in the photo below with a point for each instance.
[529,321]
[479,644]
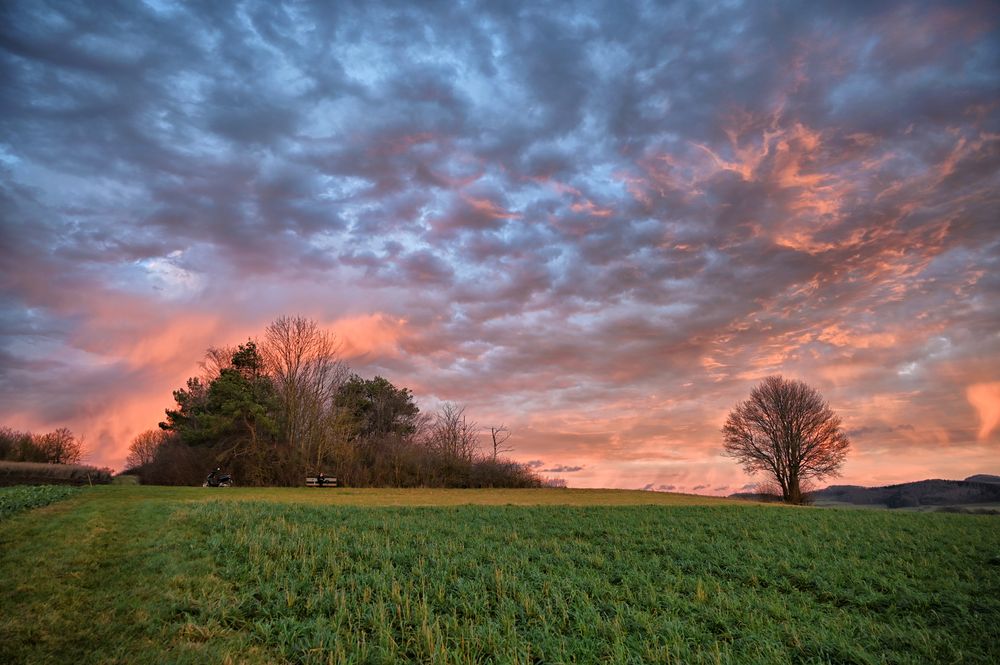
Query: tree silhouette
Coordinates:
[787,430]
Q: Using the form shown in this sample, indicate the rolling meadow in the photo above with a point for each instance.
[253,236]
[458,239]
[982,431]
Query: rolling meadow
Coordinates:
[137,574]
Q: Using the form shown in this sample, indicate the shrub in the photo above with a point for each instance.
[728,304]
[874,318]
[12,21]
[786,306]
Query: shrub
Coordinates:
[38,473]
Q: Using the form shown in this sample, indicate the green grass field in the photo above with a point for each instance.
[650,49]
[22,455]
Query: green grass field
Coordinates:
[128,574]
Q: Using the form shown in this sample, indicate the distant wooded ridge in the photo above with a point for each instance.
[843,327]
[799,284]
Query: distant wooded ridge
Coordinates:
[976,489]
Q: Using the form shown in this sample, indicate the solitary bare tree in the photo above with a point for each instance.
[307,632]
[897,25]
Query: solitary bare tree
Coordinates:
[787,430]
[500,436]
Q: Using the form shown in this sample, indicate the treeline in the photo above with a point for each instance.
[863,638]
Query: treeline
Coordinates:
[274,410]
[59,446]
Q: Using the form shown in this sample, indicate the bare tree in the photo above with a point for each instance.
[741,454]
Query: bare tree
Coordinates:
[499,437]
[142,450]
[787,430]
[304,363]
[217,358]
[61,447]
[453,435]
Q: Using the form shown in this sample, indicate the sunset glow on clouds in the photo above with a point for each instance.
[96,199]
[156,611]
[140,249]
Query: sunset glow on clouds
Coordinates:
[600,226]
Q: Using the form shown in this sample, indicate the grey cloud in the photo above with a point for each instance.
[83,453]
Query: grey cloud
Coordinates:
[566,207]
[879,429]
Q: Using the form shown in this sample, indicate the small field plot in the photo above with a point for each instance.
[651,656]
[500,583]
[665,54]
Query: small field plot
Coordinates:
[134,574]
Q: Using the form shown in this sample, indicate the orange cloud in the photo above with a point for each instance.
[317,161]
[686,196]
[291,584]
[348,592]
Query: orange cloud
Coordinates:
[839,336]
[369,334]
[171,343]
[590,208]
[490,209]
[985,398]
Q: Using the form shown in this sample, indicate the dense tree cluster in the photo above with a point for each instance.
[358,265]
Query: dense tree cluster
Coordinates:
[59,446]
[286,405]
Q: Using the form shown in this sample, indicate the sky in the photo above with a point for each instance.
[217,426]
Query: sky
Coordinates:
[600,224]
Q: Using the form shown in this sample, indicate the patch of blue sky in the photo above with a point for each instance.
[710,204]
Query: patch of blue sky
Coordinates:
[8,156]
[365,63]
[163,7]
[79,191]
[862,86]
[610,61]
[121,48]
[979,67]
[168,277]
[600,180]
[188,88]
[282,76]
[39,20]
[342,188]
[331,118]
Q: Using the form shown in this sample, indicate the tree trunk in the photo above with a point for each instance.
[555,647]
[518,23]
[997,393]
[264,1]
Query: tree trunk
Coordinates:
[794,491]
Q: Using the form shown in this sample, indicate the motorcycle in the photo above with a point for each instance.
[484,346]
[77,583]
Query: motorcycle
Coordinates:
[217,479]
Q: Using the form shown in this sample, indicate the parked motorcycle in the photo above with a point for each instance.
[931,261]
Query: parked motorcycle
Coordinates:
[218,479]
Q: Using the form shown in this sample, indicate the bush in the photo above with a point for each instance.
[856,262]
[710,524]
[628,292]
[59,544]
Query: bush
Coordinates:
[176,463]
[38,473]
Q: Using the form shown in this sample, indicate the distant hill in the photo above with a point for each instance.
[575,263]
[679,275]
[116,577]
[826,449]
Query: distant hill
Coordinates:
[983,478]
[911,495]
[976,489]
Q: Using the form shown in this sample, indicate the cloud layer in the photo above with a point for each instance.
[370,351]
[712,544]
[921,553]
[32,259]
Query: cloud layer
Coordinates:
[600,226]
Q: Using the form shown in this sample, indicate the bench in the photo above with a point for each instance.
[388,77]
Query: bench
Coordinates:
[320,481]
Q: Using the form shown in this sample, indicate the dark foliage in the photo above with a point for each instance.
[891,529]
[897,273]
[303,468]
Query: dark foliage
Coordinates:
[269,417]
[376,408]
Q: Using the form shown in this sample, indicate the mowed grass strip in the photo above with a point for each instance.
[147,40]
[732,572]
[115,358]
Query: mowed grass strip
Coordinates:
[113,577]
[368,497]
[280,581]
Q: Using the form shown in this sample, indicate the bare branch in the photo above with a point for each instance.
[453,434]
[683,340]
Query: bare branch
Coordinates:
[499,436]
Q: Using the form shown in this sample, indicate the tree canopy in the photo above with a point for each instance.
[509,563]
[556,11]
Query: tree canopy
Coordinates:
[59,446]
[277,408]
[788,431]
[375,407]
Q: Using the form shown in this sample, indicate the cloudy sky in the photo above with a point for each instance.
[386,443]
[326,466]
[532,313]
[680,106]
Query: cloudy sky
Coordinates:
[600,223]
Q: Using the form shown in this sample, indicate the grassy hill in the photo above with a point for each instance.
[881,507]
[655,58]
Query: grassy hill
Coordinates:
[123,574]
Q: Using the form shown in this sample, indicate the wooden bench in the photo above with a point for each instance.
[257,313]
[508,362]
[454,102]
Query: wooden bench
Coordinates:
[320,481]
